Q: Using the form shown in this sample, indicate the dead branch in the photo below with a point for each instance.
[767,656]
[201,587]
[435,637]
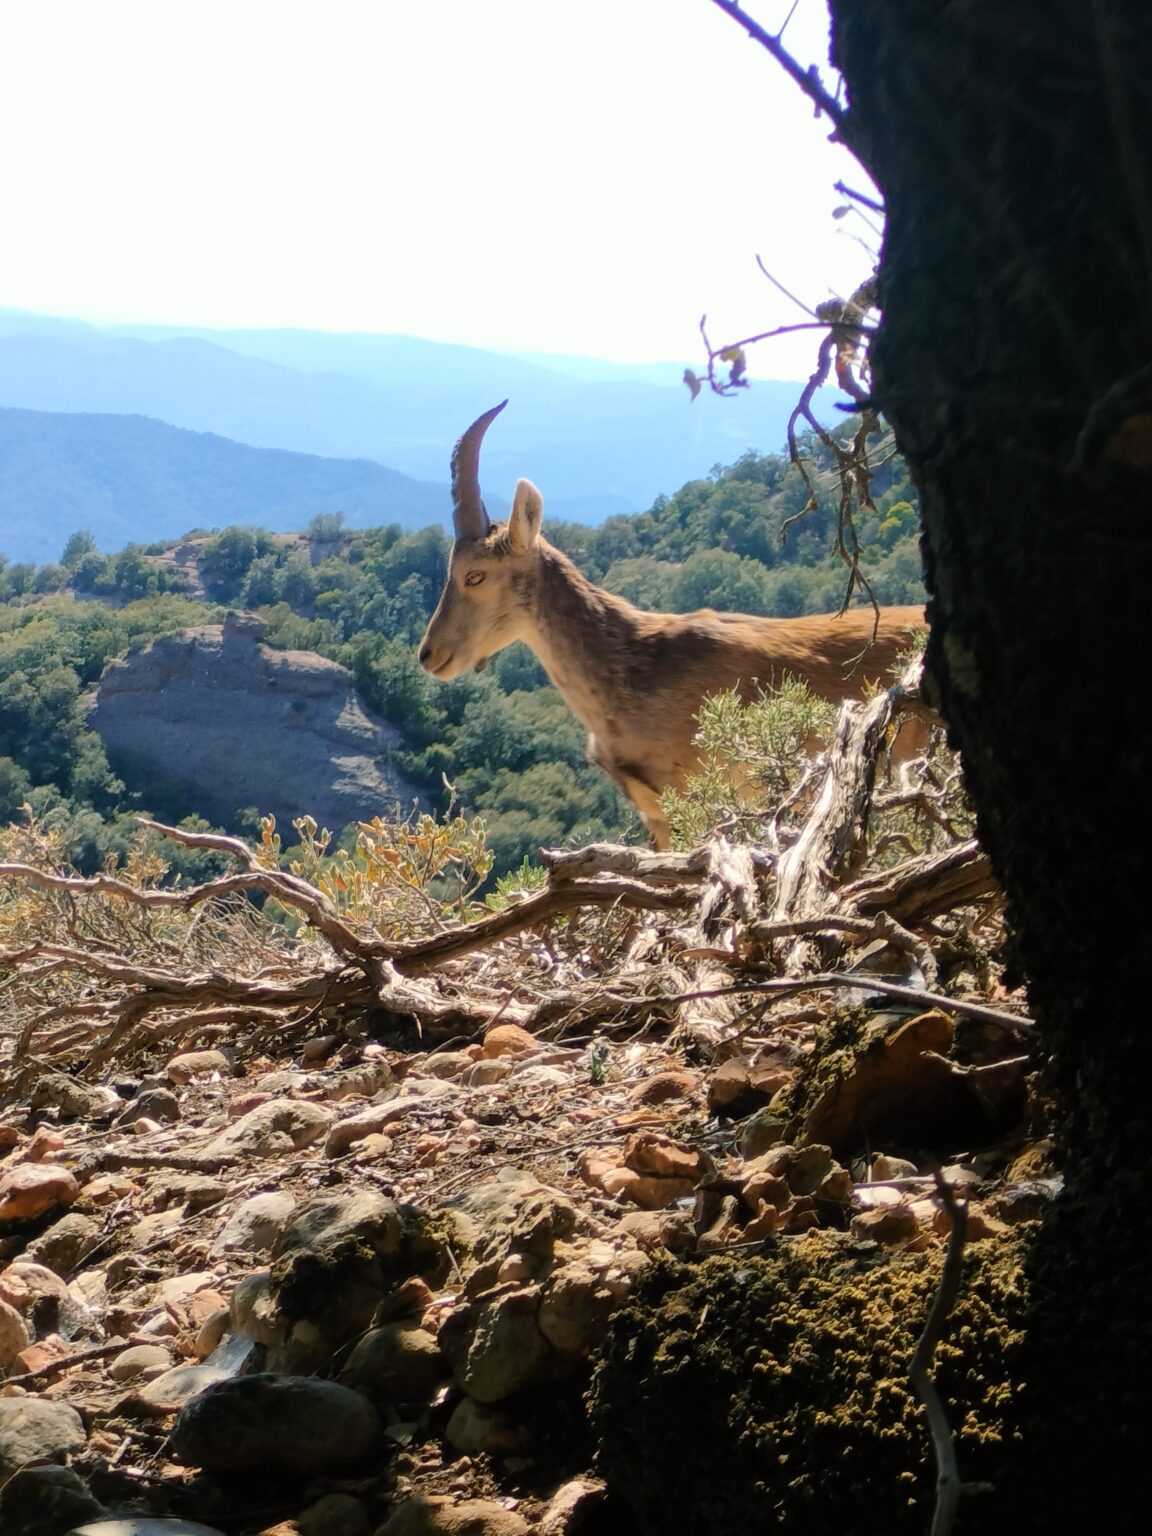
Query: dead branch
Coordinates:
[831,842]
[623,859]
[288,889]
[858,982]
[925,886]
[52,1368]
[948,1486]
[882,927]
[425,954]
[807,79]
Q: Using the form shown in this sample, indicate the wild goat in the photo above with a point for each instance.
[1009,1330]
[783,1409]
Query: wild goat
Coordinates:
[635,679]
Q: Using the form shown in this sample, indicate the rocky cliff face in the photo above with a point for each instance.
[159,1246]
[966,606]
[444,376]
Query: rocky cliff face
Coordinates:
[237,725]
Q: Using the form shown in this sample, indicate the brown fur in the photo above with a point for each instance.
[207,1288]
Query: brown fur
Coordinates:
[637,679]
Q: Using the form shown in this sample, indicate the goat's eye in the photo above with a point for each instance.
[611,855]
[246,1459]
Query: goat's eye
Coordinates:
[473,578]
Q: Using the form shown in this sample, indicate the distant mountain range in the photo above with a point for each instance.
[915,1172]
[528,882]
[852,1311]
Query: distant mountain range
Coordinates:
[598,437]
[129,479]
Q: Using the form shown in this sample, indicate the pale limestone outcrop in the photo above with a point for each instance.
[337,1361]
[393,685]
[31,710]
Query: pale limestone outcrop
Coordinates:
[237,726]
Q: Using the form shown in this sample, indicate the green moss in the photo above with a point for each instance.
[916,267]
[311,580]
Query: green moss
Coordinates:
[841,1040]
[772,1392]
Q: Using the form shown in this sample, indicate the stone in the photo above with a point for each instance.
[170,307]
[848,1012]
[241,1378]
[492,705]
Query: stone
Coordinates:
[193,1191]
[652,1153]
[762,1181]
[439,1517]
[335,1514]
[107,1189]
[653,1231]
[400,1361]
[369,1122]
[891,1225]
[242,1103]
[274,1129]
[65,1244]
[146,1360]
[479,1429]
[508,1040]
[294,1424]
[364,1216]
[254,1226]
[575,1308]
[664,1086]
[495,1345]
[178,1290]
[160,1106]
[172,1389]
[74,1100]
[486,1073]
[572,1508]
[363,1080]
[41,1355]
[980,1225]
[153,1228]
[183,1067]
[33,1429]
[144,1525]
[211,1332]
[45,1501]
[23,1283]
[31,1190]
[516,1268]
[885,1166]
[446,1064]
[738,1086]
[538,1079]
[604,1168]
[253,1310]
[900,1090]
[319,1047]
[14,1335]
[46,1145]
[513,1213]
[762,1131]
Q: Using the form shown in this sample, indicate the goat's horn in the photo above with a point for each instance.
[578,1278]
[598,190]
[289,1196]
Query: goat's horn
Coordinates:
[469,515]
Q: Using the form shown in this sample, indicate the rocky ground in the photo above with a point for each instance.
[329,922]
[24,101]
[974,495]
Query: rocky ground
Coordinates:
[358,1288]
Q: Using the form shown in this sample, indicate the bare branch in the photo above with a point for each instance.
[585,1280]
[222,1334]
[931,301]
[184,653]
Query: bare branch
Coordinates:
[948,1486]
[807,79]
[858,197]
[425,954]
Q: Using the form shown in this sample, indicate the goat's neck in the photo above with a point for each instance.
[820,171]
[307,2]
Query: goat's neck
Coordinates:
[584,637]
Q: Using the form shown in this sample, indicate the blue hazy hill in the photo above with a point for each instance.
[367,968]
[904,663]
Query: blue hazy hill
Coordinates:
[129,479]
[597,437]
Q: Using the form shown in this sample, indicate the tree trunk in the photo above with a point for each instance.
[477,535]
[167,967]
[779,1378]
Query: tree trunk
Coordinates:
[1013,147]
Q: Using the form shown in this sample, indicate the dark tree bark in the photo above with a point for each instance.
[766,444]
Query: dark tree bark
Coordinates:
[1013,147]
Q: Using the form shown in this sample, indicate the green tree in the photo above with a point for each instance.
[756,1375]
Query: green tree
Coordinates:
[77,546]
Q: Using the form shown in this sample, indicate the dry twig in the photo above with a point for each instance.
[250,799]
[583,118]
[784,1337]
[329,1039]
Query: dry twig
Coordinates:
[948,1486]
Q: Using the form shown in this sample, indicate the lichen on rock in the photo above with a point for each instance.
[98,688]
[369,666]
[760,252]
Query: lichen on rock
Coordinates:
[772,1392]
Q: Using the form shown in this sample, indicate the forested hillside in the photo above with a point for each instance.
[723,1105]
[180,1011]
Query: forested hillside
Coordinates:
[502,738]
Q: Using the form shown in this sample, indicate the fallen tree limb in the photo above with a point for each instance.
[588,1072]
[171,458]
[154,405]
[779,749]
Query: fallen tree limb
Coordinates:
[554,901]
[859,982]
[925,886]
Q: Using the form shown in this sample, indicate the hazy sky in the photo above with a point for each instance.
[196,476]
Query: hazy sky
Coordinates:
[522,174]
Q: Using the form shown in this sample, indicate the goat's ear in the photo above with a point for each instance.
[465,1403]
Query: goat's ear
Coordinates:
[527,515]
